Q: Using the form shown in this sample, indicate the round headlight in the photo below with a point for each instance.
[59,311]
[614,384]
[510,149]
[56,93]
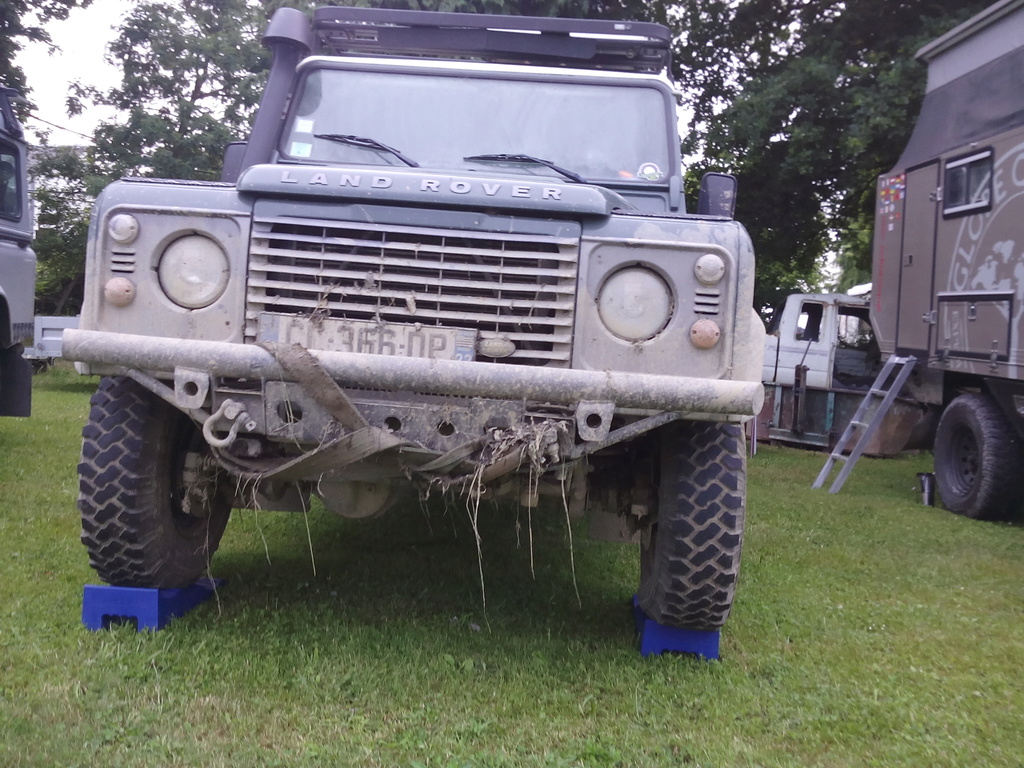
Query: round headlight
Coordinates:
[193,272]
[635,304]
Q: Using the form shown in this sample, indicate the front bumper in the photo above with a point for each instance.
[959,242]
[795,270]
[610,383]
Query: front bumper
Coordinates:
[110,352]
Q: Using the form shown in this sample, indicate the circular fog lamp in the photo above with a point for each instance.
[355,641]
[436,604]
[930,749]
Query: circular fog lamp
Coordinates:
[705,333]
[709,268]
[193,272]
[635,304]
[123,228]
[119,291]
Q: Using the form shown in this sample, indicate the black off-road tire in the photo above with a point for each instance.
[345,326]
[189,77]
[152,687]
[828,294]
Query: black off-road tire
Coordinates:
[154,505]
[978,460]
[690,558]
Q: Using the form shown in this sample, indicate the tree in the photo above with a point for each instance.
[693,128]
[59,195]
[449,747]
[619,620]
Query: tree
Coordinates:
[807,102]
[23,21]
[192,76]
[65,188]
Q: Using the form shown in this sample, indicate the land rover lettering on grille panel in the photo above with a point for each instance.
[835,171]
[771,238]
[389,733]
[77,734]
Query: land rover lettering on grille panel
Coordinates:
[515,287]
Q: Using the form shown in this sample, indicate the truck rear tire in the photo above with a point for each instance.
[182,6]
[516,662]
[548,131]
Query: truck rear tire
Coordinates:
[690,558]
[154,504]
[978,460]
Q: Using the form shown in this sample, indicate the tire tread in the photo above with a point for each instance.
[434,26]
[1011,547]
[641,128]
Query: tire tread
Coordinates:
[128,541]
[700,526]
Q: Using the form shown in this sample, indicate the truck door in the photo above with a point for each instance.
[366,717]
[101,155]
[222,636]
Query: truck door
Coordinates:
[917,271]
[977,265]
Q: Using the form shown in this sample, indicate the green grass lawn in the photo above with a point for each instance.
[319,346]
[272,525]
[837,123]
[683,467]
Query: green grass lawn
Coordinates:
[868,630]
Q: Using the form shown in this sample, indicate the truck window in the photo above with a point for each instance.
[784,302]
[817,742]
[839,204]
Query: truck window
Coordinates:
[776,319]
[968,184]
[854,329]
[438,119]
[808,325]
[10,194]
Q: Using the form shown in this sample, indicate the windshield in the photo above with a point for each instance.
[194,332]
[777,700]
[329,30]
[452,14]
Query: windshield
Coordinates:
[602,132]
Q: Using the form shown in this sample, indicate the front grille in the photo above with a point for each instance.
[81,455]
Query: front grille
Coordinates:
[521,287]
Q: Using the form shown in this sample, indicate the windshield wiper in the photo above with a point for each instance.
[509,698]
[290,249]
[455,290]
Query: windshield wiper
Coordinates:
[366,142]
[529,159]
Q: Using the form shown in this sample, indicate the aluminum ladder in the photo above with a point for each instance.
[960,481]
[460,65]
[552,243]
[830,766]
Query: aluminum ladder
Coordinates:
[887,392]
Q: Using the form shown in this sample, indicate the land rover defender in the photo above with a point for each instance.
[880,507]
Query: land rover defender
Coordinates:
[452,254]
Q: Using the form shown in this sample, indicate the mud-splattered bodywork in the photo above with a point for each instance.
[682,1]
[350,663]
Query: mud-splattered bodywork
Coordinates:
[434,418]
[350,328]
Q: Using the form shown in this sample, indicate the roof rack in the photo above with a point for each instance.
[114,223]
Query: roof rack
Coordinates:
[629,46]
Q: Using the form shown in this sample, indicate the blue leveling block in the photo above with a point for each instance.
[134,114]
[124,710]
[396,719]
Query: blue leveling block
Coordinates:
[657,638]
[146,608]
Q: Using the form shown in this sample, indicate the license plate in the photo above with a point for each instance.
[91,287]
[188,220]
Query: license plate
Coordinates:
[369,338]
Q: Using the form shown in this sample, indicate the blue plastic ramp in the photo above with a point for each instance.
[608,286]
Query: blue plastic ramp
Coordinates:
[151,609]
[657,639]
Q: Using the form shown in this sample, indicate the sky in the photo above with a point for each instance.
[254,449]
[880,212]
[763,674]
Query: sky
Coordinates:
[83,39]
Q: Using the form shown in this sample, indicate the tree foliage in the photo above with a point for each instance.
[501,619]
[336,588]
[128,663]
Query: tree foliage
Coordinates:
[65,187]
[807,102]
[23,21]
[192,72]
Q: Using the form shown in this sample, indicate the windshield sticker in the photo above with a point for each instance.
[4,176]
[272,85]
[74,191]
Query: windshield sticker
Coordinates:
[301,149]
[649,172]
[303,125]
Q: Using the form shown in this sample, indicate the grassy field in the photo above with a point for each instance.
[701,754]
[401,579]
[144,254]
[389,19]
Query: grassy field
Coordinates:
[869,630]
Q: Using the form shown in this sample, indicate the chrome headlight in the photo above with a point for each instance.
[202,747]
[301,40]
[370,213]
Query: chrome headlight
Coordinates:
[193,271]
[635,303]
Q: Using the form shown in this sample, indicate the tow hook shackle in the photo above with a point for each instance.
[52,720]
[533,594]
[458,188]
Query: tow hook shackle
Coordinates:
[232,412]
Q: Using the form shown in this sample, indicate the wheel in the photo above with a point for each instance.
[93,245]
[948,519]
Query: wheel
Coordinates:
[978,460]
[690,557]
[154,503]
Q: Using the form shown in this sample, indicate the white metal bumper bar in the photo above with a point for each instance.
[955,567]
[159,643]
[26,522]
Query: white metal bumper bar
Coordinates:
[441,377]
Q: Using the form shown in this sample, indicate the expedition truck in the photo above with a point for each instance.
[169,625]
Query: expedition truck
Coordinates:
[453,254]
[948,262]
[17,263]
[821,357]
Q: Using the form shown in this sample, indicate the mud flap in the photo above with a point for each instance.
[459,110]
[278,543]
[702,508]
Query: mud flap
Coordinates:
[15,383]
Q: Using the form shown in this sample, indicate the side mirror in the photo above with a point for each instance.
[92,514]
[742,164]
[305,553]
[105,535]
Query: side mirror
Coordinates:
[717,195]
[234,153]
[8,120]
